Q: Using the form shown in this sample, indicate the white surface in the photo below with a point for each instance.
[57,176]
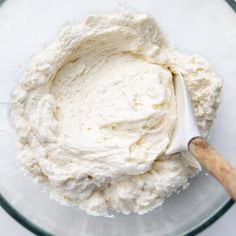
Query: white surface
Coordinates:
[224,226]
[26,193]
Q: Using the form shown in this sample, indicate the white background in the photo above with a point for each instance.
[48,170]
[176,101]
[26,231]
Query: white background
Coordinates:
[224,226]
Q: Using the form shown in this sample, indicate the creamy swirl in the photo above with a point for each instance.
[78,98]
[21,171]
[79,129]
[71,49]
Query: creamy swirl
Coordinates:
[95,112]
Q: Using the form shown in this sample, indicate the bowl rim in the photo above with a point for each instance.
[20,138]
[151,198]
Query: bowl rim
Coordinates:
[16,215]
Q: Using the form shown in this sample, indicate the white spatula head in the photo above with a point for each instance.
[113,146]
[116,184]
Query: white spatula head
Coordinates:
[186,126]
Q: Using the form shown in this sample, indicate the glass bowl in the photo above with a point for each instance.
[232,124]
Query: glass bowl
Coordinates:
[203,27]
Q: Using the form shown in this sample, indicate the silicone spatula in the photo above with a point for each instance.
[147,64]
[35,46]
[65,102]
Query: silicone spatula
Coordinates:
[186,137]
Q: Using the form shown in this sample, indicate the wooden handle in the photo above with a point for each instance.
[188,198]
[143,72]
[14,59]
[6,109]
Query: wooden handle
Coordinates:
[214,164]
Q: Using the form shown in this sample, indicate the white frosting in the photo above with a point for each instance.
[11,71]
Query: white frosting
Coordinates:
[95,111]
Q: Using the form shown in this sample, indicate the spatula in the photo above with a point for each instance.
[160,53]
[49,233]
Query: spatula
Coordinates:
[186,137]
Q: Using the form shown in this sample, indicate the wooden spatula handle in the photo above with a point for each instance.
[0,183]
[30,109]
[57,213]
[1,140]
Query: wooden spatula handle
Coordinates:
[214,164]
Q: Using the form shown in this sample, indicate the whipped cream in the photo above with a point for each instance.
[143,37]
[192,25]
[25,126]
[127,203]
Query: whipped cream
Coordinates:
[95,112]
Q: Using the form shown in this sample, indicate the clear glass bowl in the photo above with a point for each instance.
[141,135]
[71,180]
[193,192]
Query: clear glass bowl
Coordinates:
[203,27]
